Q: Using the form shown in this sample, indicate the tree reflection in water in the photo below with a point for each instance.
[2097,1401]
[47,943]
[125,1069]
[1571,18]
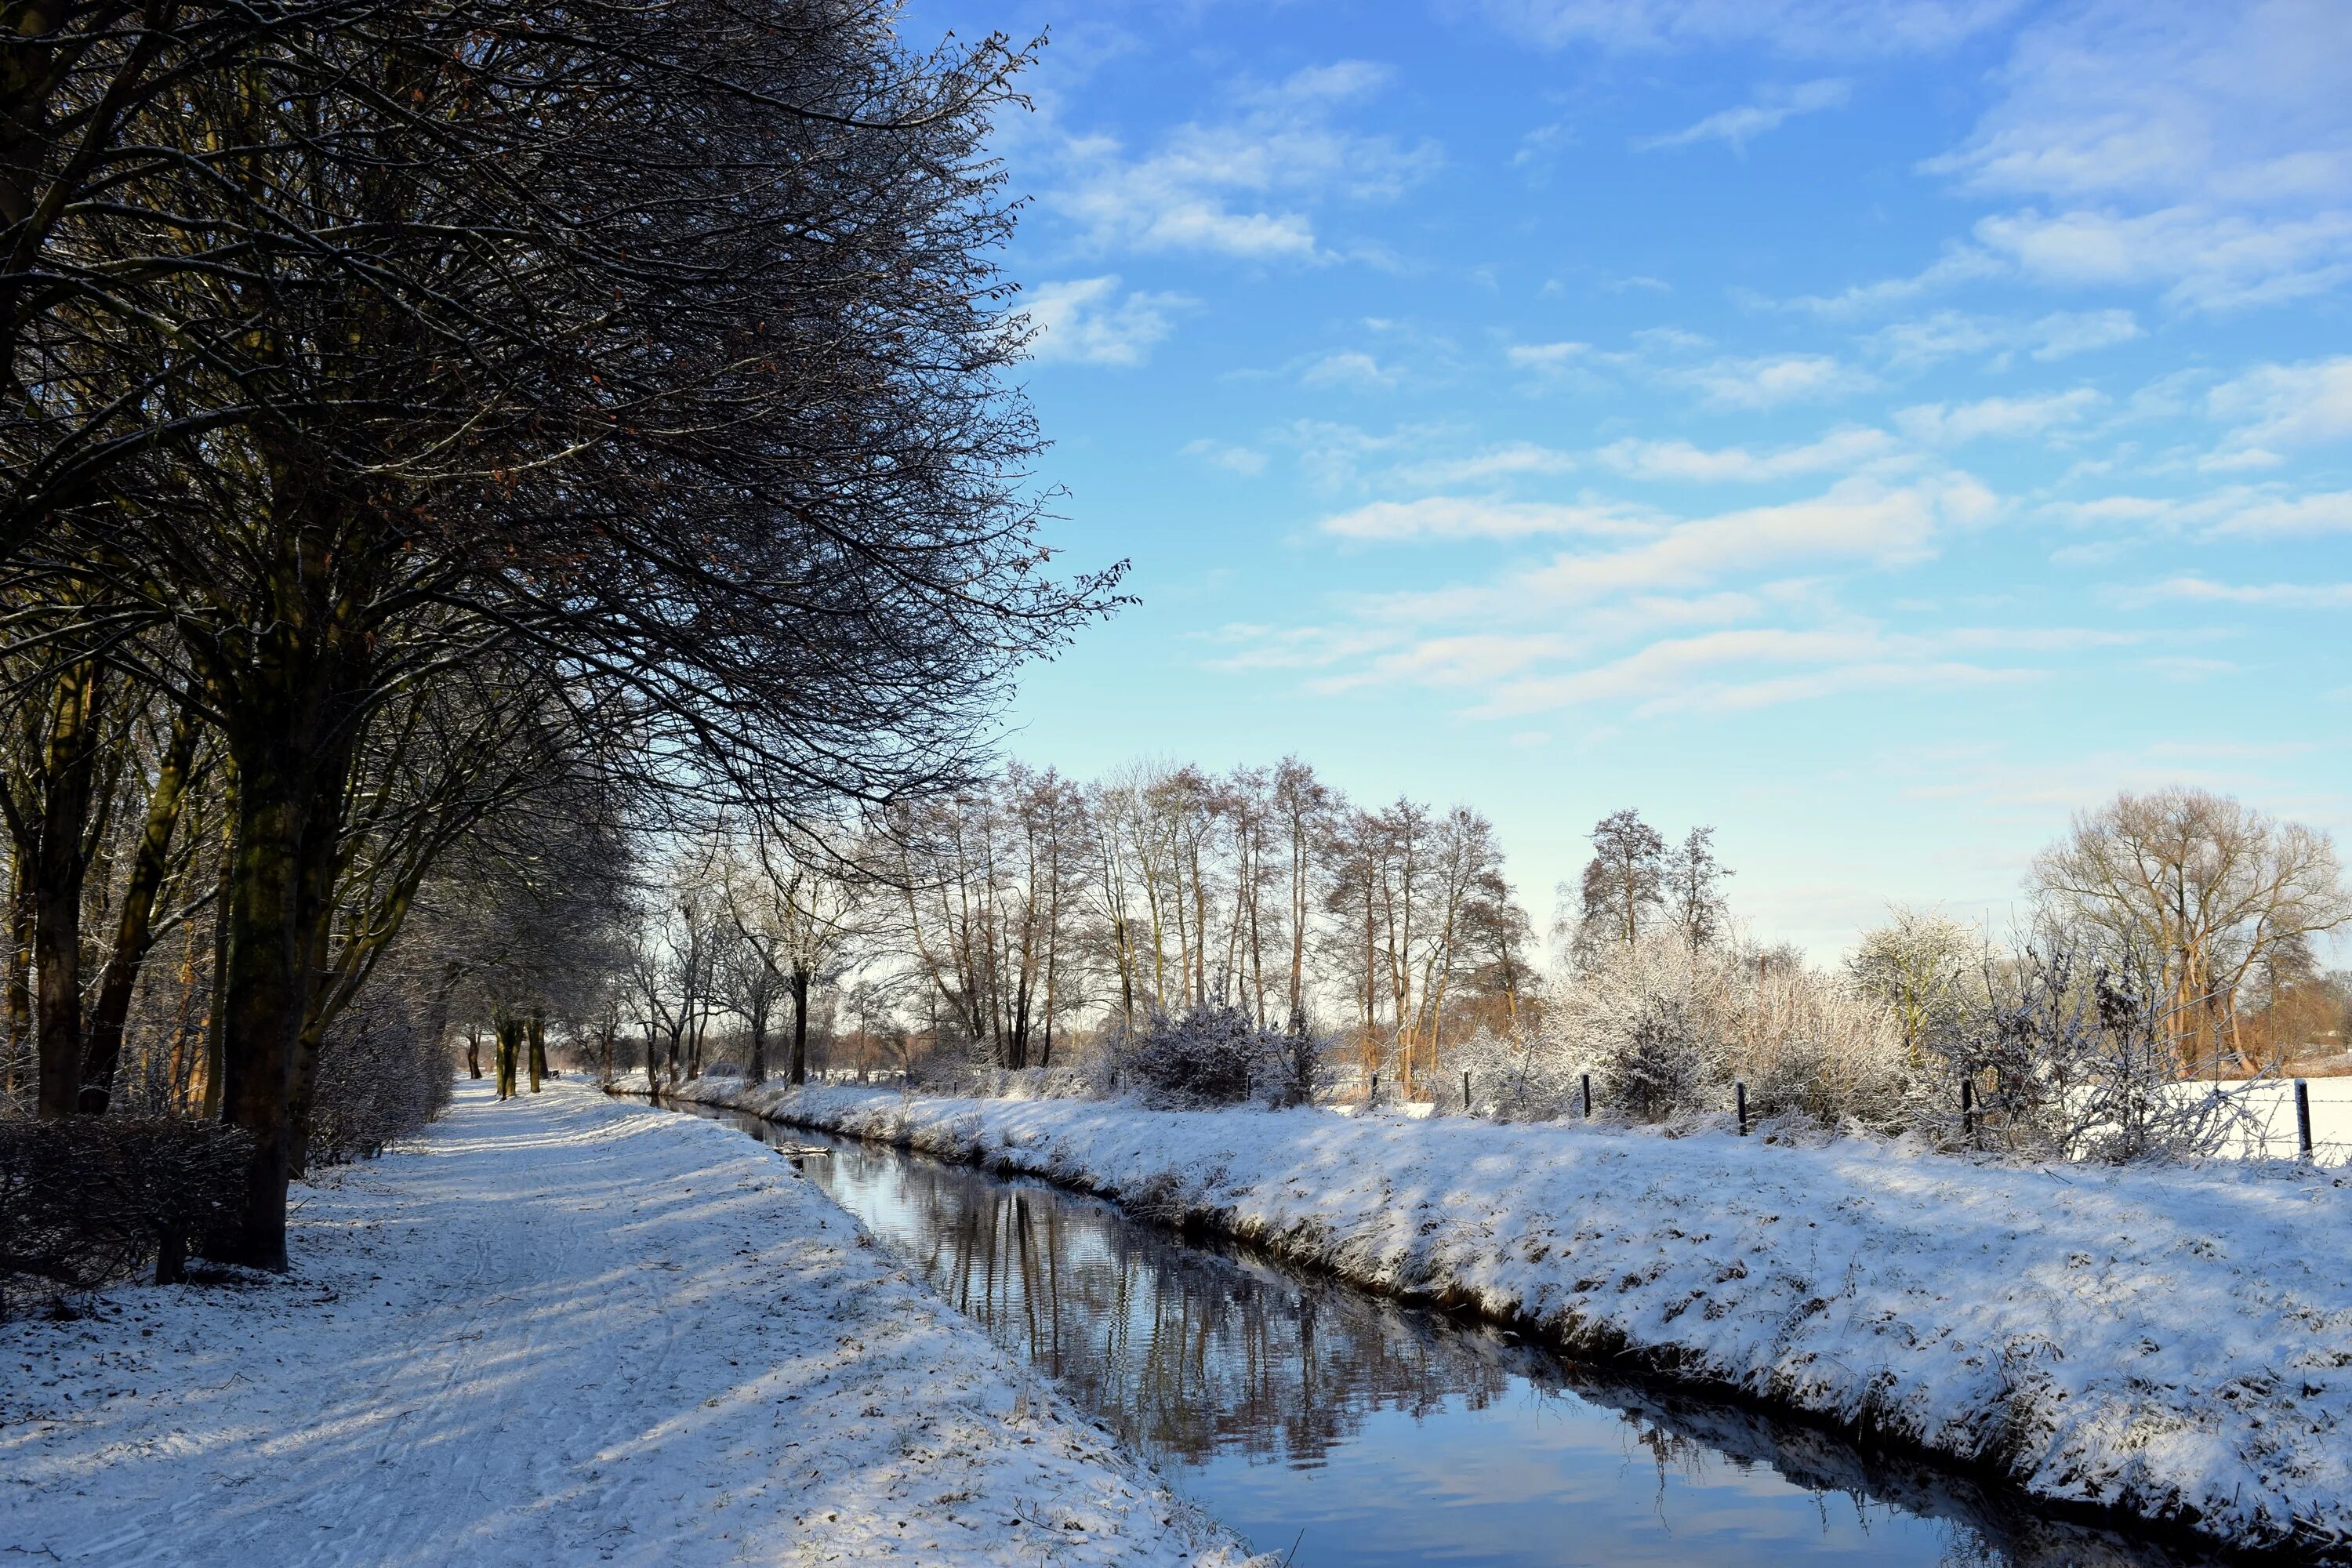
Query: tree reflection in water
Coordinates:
[1396,1435]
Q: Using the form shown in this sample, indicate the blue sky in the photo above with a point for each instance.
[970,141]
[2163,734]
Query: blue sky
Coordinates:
[1874,430]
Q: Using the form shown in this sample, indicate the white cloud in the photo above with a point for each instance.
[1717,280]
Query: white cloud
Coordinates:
[1682,673]
[2288,595]
[1456,517]
[1945,334]
[2283,515]
[2237,511]
[2009,418]
[1836,28]
[1772,108]
[2289,405]
[2202,259]
[1768,381]
[1351,369]
[1508,460]
[1547,356]
[2066,333]
[2205,149]
[1856,522]
[1086,321]
[2168,100]
[1680,461]
[1236,459]
[1959,264]
[1240,188]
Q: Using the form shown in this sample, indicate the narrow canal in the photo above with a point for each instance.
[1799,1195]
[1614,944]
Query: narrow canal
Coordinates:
[1311,1415]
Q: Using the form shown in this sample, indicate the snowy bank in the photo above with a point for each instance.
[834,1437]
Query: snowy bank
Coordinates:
[563,1329]
[2173,1342]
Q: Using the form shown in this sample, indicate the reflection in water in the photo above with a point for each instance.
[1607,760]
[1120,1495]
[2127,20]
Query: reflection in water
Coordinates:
[1297,1409]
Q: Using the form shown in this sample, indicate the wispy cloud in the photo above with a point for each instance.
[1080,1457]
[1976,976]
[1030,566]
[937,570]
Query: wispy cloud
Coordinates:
[1238,459]
[1350,369]
[1680,461]
[1768,381]
[2279,407]
[1087,321]
[2006,418]
[1244,186]
[1771,108]
[1457,518]
[1840,29]
[2284,595]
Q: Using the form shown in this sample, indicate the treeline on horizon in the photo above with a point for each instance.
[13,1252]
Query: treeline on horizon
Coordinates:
[1036,923]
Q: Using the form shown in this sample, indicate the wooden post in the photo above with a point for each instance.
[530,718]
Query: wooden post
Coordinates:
[1373,1098]
[1739,1097]
[1587,1095]
[2303,1116]
[1465,1093]
[1968,1110]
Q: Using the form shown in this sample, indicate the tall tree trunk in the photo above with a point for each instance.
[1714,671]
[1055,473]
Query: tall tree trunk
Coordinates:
[134,930]
[61,863]
[20,954]
[262,1007]
[800,1026]
[536,1027]
[509,1036]
[473,1050]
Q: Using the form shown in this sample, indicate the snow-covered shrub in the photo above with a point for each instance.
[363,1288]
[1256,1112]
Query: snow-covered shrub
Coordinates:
[1649,1021]
[2070,1059]
[1664,1033]
[382,1074]
[1212,1056]
[87,1199]
[1810,1045]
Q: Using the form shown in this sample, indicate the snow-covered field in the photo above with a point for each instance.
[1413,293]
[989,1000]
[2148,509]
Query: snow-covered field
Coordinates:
[2271,1106]
[2176,1342]
[560,1331]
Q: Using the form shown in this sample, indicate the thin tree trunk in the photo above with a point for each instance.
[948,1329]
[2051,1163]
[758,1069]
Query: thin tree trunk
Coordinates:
[134,931]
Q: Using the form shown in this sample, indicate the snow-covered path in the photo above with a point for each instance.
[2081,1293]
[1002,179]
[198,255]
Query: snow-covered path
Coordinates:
[561,1330]
[2175,1341]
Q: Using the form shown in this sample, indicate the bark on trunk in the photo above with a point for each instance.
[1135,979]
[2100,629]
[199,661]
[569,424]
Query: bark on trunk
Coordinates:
[60,863]
[262,1007]
[800,1026]
[134,930]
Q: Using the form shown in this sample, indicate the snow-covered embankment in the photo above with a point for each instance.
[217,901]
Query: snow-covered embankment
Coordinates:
[561,1330]
[2174,1342]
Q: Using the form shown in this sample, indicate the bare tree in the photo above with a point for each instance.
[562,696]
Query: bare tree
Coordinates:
[1693,884]
[1624,883]
[1916,966]
[794,902]
[2196,891]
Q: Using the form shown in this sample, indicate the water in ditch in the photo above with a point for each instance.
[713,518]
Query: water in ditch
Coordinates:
[1351,1432]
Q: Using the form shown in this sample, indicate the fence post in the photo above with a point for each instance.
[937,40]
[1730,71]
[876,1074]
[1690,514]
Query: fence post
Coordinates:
[1968,1110]
[1587,1096]
[1465,1091]
[1374,1097]
[2303,1116]
[1739,1097]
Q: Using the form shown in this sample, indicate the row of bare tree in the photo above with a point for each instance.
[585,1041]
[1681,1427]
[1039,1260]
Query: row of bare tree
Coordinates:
[439,438]
[1011,923]
[1008,915]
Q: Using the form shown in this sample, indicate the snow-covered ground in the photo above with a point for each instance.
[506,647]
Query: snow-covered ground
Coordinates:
[2173,1342]
[2271,1109]
[565,1329]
